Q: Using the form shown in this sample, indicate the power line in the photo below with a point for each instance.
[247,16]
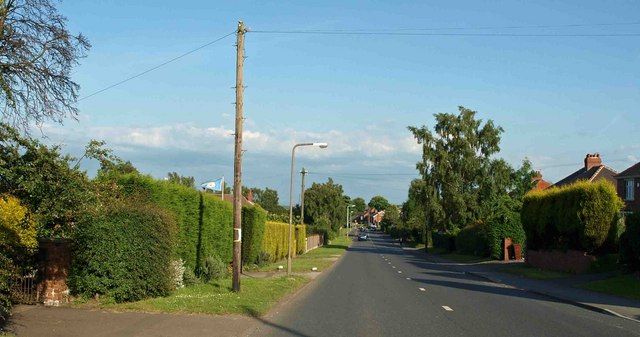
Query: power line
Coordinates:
[374,33]
[474,28]
[156,67]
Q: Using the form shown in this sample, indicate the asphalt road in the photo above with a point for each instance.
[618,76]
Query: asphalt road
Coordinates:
[379,289]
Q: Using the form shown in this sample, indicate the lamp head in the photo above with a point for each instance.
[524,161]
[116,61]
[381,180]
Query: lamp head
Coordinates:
[321,145]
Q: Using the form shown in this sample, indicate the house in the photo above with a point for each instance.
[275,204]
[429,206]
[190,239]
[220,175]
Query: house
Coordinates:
[593,170]
[539,184]
[628,186]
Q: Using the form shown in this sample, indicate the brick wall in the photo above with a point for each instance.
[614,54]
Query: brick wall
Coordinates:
[571,261]
[629,205]
[55,261]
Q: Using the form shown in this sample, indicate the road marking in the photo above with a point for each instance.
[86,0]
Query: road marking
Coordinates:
[394,267]
[422,289]
[446,308]
[399,272]
[409,278]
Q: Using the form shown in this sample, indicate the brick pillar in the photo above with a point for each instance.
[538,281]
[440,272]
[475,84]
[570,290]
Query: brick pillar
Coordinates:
[55,261]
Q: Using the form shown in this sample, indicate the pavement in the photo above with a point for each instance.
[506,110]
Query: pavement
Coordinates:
[376,289]
[560,289]
[380,289]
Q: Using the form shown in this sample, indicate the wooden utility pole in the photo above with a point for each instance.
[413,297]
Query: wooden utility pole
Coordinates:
[303,173]
[237,162]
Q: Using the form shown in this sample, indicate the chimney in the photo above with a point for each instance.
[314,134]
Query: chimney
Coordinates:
[537,176]
[592,160]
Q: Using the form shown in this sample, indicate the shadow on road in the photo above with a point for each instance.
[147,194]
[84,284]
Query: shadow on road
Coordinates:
[254,314]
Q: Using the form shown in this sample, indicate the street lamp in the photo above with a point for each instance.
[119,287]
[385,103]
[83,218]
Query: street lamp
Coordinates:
[293,158]
[348,218]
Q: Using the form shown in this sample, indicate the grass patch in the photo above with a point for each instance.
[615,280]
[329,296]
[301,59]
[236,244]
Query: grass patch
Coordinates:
[532,272]
[624,285]
[255,298]
[321,258]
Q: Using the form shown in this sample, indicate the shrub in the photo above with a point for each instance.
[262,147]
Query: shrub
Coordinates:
[301,239]
[473,240]
[5,297]
[205,223]
[253,222]
[276,238]
[124,251]
[263,259]
[177,268]
[504,226]
[17,230]
[578,216]
[445,241]
[630,243]
[189,277]
[213,269]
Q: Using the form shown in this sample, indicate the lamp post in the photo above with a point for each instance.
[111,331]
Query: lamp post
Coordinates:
[293,158]
[348,218]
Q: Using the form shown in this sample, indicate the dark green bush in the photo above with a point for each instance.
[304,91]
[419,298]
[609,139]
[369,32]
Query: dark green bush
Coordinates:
[578,216]
[630,243]
[504,226]
[5,299]
[473,240]
[213,269]
[204,221]
[253,222]
[125,252]
[189,278]
[444,241]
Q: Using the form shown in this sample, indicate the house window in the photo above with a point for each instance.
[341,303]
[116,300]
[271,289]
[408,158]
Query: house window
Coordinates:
[629,189]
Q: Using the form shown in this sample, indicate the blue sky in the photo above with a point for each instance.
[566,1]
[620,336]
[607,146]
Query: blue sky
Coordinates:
[557,98]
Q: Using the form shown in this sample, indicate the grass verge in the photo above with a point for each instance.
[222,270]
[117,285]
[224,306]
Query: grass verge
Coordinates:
[624,285]
[532,272]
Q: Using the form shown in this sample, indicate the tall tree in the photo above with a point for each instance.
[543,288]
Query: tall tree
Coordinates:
[454,158]
[379,202]
[37,54]
[359,205]
[325,200]
[174,177]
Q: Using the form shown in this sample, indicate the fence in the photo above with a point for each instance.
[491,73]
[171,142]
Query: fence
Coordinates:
[23,289]
[314,241]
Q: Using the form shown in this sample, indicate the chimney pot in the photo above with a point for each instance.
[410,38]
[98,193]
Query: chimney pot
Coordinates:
[592,160]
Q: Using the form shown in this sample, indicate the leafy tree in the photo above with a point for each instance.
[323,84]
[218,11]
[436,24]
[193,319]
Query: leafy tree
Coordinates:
[391,217]
[325,200]
[379,202]
[359,205]
[38,54]
[45,181]
[174,177]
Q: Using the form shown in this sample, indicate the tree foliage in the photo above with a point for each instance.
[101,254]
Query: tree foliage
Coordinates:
[325,200]
[175,178]
[359,205]
[37,54]
[379,202]
[461,182]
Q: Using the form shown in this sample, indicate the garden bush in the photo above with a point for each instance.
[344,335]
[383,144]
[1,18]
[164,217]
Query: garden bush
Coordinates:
[5,297]
[504,226]
[630,243]
[213,269]
[253,222]
[124,251]
[578,216]
[473,240]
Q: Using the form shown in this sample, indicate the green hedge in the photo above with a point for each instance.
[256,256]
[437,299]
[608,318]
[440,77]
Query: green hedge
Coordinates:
[5,300]
[630,243]
[204,221]
[473,240]
[253,223]
[276,238]
[578,216]
[499,228]
[444,241]
[124,252]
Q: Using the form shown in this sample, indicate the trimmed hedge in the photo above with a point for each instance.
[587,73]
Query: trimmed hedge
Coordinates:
[473,240]
[124,252]
[630,243]
[276,238]
[253,230]
[499,228]
[444,241]
[578,216]
[204,221]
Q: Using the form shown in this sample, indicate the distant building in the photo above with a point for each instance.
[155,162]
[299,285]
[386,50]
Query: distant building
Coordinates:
[593,170]
[628,186]
[539,183]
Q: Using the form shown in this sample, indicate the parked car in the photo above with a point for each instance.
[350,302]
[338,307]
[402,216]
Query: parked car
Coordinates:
[363,237]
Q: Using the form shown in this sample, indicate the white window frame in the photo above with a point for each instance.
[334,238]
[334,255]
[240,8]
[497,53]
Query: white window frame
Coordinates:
[629,188]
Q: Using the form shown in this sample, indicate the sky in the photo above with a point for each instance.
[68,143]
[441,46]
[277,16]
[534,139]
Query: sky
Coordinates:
[557,98]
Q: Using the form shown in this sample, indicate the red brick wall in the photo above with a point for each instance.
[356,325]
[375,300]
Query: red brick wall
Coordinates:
[55,262]
[629,205]
[571,261]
